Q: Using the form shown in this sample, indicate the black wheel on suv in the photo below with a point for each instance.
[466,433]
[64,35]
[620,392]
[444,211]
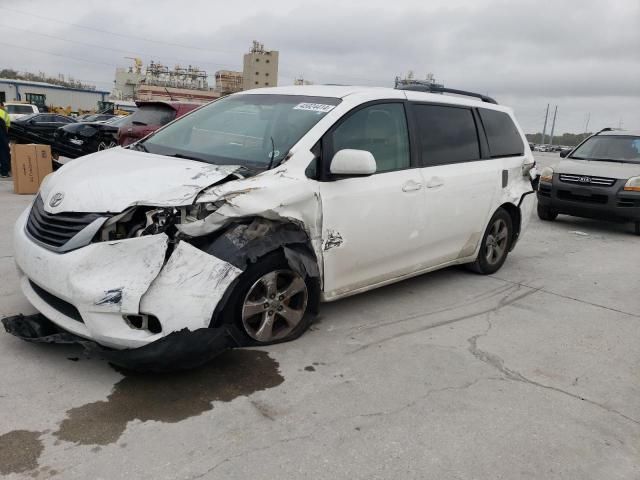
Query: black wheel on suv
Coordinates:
[636,228]
[546,213]
[496,243]
[271,302]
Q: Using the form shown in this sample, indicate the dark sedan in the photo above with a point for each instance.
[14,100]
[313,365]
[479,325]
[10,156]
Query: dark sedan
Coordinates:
[82,138]
[37,128]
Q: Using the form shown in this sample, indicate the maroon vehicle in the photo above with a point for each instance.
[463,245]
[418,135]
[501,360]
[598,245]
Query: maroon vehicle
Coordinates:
[150,116]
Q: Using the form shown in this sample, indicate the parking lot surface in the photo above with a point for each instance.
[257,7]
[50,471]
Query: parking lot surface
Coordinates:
[533,372]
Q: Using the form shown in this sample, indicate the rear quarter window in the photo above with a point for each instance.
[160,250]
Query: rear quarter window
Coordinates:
[153,115]
[502,134]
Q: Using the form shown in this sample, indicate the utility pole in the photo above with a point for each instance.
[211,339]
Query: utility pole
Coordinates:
[586,125]
[553,125]
[544,129]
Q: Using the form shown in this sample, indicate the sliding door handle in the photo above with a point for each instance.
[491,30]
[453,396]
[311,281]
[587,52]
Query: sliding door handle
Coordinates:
[435,182]
[411,186]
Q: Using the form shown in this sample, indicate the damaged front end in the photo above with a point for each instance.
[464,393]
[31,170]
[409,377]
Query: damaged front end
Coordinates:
[148,289]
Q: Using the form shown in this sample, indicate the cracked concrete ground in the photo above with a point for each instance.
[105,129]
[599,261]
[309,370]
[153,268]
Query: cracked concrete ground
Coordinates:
[533,372]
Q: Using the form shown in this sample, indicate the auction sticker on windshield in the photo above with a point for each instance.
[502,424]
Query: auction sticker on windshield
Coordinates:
[314,107]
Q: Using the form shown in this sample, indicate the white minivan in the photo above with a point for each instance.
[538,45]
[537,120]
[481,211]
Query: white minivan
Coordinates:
[248,212]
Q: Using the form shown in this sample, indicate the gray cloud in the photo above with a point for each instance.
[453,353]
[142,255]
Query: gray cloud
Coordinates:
[581,55]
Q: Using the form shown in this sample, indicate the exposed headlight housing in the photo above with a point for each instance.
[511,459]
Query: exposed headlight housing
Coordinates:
[141,221]
[546,175]
[632,185]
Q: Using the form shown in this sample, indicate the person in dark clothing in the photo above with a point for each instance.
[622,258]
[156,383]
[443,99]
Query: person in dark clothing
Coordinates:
[5,155]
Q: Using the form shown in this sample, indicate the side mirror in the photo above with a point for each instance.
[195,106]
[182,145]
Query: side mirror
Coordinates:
[564,153]
[353,162]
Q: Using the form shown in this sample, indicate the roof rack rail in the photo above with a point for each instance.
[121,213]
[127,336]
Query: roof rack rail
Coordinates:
[439,89]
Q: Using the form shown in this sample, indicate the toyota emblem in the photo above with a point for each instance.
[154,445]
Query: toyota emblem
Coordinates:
[584,179]
[56,200]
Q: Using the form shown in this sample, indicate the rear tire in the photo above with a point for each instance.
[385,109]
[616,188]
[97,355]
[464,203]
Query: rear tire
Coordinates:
[547,214]
[496,243]
[636,228]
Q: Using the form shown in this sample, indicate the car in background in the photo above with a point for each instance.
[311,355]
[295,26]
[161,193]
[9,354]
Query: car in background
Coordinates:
[19,110]
[600,178]
[565,150]
[37,127]
[149,117]
[82,138]
[96,117]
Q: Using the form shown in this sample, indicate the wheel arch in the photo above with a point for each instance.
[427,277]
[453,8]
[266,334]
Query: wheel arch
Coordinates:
[516,221]
[247,240]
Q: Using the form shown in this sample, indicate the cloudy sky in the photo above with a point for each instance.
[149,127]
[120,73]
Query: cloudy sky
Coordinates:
[582,55]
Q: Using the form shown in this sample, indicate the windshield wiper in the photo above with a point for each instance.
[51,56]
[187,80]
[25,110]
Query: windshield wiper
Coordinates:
[273,154]
[188,157]
[140,147]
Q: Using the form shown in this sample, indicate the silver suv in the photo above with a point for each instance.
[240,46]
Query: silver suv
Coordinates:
[600,178]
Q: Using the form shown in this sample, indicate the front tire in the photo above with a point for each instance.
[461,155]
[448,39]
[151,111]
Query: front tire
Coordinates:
[547,214]
[271,302]
[495,245]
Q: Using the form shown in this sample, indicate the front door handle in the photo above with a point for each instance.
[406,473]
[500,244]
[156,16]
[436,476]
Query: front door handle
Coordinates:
[435,182]
[411,186]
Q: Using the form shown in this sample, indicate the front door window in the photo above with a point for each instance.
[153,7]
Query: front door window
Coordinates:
[380,129]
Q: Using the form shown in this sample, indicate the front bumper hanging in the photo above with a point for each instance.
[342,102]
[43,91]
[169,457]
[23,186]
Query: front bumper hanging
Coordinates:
[181,350]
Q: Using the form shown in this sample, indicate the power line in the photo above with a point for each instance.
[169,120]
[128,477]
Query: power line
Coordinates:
[108,32]
[118,50]
[58,55]
[191,47]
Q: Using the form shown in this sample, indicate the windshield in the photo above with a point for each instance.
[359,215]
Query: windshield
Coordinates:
[248,130]
[617,148]
[19,109]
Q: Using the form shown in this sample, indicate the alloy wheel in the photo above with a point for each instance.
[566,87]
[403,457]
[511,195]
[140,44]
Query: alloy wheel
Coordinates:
[274,305]
[496,243]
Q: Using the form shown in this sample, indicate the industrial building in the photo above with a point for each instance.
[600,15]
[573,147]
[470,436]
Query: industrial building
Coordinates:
[50,96]
[228,82]
[157,81]
[260,68]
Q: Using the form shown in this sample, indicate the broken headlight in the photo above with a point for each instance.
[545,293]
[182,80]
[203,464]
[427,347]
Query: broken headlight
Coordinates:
[141,221]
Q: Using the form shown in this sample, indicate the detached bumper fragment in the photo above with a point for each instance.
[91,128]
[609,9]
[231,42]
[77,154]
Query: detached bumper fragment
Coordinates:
[181,350]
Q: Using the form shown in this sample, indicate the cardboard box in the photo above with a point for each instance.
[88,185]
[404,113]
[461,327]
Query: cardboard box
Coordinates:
[29,165]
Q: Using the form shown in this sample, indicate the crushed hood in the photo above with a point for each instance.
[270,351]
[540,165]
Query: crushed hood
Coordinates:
[598,168]
[112,180]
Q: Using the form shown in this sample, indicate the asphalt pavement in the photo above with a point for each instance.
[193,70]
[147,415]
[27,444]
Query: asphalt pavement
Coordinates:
[531,373]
